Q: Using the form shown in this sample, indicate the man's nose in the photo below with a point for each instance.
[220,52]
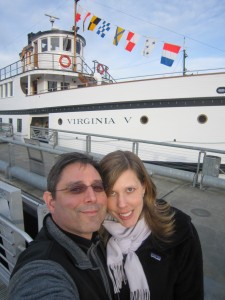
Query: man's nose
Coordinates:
[90,195]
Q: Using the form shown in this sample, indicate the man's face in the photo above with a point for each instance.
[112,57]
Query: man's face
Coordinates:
[79,206]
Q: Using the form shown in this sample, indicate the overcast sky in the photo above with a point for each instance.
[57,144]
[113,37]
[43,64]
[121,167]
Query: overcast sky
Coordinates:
[200,22]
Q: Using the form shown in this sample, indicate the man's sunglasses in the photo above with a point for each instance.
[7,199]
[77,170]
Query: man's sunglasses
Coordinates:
[82,188]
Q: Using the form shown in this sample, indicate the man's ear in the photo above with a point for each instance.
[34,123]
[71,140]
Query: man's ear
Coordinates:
[49,201]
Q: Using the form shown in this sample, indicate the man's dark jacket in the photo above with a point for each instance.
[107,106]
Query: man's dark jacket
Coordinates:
[54,266]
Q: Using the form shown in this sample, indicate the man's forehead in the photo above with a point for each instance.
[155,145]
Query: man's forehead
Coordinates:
[80,172]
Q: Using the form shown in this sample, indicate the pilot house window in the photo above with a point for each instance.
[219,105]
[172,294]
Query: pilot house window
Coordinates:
[55,43]
[44,45]
[66,44]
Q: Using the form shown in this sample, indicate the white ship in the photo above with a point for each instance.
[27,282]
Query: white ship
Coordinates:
[51,86]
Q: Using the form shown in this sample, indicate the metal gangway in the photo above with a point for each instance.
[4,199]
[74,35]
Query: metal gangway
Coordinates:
[13,238]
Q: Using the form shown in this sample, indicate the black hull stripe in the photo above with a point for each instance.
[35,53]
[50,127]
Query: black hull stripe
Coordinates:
[184,102]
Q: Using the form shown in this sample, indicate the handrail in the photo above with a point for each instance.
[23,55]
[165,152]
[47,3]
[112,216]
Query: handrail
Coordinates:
[10,249]
[146,150]
[9,223]
[47,61]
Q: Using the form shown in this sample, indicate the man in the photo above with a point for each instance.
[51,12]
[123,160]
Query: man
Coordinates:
[66,259]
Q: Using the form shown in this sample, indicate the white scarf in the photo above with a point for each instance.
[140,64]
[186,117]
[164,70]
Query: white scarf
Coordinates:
[125,241]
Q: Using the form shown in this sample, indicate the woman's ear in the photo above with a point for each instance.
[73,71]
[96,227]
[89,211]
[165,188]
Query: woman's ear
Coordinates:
[49,201]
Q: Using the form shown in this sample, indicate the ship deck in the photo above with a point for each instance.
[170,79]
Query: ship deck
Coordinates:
[205,205]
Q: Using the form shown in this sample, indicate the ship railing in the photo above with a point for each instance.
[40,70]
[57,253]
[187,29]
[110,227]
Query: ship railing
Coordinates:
[49,61]
[11,70]
[6,130]
[202,162]
[44,135]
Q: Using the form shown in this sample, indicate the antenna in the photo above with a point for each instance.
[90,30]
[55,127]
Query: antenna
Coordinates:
[52,19]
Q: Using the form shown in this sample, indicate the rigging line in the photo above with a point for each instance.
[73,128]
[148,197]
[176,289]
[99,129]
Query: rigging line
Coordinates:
[162,27]
[136,65]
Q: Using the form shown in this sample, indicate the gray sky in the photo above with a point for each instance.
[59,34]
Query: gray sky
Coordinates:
[202,24]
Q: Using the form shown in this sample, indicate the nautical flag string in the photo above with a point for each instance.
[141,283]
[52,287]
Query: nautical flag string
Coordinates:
[169,54]
[103,28]
[170,51]
[118,35]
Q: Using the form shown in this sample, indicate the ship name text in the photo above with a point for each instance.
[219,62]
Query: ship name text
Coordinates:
[94,121]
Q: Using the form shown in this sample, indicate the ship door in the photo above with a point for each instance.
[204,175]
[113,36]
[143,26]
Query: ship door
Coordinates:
[34,86]
[35,55]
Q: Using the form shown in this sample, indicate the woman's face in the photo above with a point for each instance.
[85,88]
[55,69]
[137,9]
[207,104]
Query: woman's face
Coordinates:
[125,201]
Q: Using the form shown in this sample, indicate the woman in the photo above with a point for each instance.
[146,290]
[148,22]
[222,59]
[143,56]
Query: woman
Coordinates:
[153,250]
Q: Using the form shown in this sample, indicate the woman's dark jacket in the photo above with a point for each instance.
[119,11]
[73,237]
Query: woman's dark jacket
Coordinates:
[174,270]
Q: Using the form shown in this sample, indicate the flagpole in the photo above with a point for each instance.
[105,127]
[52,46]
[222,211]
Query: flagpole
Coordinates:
[184,59]
[75,35]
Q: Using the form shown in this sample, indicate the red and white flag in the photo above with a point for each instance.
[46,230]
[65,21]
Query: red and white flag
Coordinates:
[132,39]
[79,13]
[85,18]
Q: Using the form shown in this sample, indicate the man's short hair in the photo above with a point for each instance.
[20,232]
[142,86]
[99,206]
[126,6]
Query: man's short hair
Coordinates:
[65,160]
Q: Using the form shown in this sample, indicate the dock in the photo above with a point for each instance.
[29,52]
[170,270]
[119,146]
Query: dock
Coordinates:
[205,205]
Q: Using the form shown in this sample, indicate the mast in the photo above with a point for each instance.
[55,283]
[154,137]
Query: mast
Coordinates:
[184,59]
[75,35]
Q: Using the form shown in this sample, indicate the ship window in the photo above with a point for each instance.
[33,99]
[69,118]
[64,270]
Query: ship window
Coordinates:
[66,44]
[10,89]
[60,121]
[6,89]
[52,86]
[55,43]
[0,120]
[44,45]
[1,91]
[19,125]
[10,120]
[78,47]
[202,119]
[144,120]
[65,85]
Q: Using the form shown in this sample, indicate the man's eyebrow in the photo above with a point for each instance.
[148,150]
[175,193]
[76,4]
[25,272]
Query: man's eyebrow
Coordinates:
[81,182]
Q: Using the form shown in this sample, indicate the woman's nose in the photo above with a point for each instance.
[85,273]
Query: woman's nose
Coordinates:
[121,201]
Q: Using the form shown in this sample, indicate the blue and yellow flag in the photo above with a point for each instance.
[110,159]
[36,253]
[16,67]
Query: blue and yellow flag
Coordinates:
[119,33]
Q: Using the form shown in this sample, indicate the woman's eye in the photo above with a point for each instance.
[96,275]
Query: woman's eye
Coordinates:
[112,194]
[130,189]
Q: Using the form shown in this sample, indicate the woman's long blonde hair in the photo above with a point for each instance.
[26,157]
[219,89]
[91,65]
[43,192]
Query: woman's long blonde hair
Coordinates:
[158,214]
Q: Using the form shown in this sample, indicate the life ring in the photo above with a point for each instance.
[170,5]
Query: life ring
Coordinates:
[100,69]
[63,64]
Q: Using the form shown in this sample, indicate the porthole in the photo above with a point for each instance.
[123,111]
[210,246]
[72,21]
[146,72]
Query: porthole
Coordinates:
[220,90]
[144,120]
[202,119]
[60,121]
